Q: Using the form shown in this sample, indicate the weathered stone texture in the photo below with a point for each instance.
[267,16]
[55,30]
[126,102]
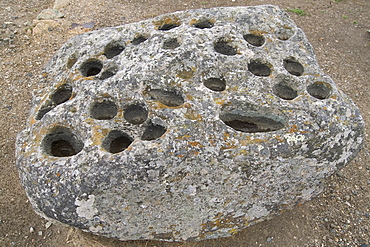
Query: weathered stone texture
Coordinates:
[188,126]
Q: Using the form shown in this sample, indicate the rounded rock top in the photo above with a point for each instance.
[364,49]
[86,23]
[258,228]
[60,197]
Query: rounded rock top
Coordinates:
[188,126]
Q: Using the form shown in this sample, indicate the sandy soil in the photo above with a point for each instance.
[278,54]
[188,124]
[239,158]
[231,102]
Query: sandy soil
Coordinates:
[337,29]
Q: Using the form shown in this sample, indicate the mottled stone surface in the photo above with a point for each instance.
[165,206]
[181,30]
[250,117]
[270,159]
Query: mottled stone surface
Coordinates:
[188,126]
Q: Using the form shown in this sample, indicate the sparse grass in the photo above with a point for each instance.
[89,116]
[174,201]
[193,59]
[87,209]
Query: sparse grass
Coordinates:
[355,22]
[345,17]
[297,11]
[337,1]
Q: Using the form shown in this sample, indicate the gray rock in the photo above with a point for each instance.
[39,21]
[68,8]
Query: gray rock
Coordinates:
[188,126]
[50,14]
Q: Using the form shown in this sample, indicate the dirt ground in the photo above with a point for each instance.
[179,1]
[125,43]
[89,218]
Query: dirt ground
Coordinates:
[339,33]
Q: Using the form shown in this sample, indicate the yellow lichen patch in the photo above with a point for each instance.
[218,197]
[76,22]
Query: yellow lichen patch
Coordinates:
[293,129]
[174,20]
[233,231]
[279,138]
[186,73]
[251,141]
[195,144]
[158,105]
[257,32]
[98,134]
[192,115]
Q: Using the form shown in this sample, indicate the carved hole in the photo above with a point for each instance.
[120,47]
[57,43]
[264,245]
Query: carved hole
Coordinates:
[204,24]
[169,98]
[61,142]
[251,119]
[113,49]
[62,94]
[103,109]
[224,47]
[256,40]
[319,90]
[171,43]
[215,84]
[91,67]
[136,114]
[168,26]
[259,68]
[43,110]
[284,91]
[293,66]
[153,131]
[138,40]
[116,141]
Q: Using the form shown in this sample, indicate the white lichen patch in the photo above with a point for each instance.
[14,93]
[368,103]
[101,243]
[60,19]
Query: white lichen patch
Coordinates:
[85,208]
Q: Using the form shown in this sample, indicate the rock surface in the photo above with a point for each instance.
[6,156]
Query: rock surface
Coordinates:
[188,126]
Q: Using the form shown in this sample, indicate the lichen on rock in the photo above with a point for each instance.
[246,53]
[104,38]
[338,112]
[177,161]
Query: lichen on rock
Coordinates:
[188,126]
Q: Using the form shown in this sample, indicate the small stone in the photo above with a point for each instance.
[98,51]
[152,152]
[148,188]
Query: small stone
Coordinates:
[269,239]
[43,26]
[50,14]
[48,224]
[58,4]
[40,233]
[32,230]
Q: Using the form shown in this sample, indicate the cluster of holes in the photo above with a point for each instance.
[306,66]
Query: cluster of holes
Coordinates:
[61,142]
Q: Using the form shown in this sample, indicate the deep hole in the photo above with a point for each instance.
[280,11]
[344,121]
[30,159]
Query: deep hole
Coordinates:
[91,67]
[136,114]
[44,109]
[107,74]
[319,90]
[113,49]
[204,24]
[116,141]
[293,67]
[138,40]
[169,98]
[215,84]
[62,94]
[171,43]
[256,40]
[259,68]
[168,26]
[103,110]
[284,91]
[153,131]
[223,47]
[61,142]
[284,33]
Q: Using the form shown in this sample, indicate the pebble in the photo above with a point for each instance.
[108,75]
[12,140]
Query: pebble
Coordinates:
[50,14]
[32,230]
[269,239]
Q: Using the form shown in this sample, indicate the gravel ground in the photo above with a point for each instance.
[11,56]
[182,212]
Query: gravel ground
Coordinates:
[338,31]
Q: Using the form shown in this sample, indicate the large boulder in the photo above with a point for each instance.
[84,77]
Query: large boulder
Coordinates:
[188,126]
